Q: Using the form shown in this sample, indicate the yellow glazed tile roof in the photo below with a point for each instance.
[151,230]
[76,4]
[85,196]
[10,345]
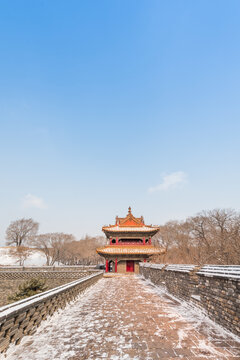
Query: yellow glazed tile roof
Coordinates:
[129,250]
[117,228]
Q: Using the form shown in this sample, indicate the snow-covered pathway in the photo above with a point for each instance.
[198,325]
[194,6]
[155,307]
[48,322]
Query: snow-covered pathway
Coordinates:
[126,318]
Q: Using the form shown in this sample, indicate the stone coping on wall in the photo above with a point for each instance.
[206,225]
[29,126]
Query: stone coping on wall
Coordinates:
[153,266]
[225,271]
[171,267]
[15,275]
[180,268]
[48,268]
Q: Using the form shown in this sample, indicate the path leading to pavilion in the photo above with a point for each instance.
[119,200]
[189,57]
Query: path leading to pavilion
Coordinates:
[127,318]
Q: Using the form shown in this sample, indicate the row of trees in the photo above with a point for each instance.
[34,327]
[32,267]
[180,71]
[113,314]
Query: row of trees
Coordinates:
[57,247]
[211,237]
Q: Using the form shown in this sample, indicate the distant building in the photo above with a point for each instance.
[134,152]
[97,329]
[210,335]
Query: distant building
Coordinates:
[129,244]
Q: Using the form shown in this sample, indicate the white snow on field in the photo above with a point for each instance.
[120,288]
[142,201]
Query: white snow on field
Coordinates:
[36,258]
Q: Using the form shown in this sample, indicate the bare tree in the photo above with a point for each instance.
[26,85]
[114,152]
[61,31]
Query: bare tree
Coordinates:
[53,245]
[63,248]
[43,243]
[210,237]
[20,253]
[87,248]
[215,233]
[82,251]
[21,231]
[223,224]
[59,243]
[235,243]
[174,237]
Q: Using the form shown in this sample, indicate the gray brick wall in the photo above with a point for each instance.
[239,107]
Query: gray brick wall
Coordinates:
[23,317]
[11,279]
[213,288]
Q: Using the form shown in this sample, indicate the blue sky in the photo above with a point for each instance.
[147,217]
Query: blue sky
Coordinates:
[106,104]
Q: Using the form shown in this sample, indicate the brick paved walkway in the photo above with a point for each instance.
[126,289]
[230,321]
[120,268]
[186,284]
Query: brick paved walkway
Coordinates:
[126,318]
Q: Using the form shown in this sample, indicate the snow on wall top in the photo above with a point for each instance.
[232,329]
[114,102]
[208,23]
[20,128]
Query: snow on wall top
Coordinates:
[226,271]
[180,268]
[21,304]
[172,267]
[153,266]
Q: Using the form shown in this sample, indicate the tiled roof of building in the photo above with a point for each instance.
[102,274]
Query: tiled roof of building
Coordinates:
[130,224]
[130,250]
[116,228]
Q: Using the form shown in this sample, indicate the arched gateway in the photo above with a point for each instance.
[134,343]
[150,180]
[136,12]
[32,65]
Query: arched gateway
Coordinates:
[129,244]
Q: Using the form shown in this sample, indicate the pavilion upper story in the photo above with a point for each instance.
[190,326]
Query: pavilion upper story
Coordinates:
[130,230]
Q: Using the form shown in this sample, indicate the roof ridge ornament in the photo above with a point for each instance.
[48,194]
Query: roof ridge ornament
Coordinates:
[130,224]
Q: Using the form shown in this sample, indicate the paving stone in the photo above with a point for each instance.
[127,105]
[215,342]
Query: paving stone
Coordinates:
[125,318]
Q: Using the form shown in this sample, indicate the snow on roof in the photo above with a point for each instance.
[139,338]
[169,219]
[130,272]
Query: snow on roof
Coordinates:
[130,224]
[117,228]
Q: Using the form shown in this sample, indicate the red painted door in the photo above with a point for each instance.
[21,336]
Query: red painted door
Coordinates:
[130,265]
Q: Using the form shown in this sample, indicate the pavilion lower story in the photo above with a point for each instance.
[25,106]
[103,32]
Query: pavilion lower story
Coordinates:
[124,265]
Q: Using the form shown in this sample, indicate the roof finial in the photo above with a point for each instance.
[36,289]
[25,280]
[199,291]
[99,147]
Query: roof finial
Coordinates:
[129,210]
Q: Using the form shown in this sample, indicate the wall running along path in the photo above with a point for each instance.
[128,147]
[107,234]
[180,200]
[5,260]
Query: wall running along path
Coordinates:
[124,318]
[215,288]
[23,317]
[13,276]
[129,317]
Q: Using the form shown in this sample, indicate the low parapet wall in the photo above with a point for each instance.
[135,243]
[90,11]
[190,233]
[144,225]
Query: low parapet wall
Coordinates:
[47,268]
[11,278]
[213,288]
[14,275]
[23,317]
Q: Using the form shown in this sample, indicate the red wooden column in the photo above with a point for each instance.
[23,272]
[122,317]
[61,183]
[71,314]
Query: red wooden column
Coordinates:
[116,240]
[150,241]
[116,265]
[110,241]
[106,265]
[144,241]
[145,260]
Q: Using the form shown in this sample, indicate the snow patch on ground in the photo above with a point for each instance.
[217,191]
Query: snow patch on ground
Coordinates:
[107,322]
[181,336]
[52,342]
[207,348]
[36,258]
[195,316]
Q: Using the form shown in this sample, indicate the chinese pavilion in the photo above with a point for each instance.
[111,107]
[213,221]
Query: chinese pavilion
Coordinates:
[129,244]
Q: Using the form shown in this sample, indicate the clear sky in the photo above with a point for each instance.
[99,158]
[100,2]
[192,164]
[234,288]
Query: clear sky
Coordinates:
[106,104]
